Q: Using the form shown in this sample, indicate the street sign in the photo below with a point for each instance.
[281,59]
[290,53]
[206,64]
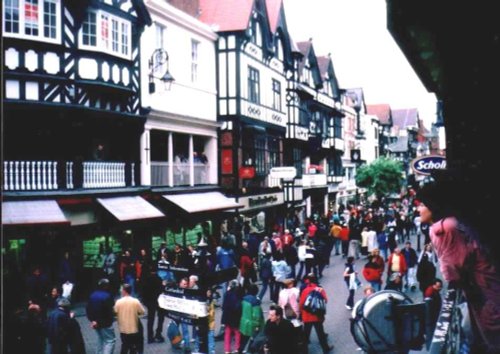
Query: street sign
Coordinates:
[424,165]
[286,172]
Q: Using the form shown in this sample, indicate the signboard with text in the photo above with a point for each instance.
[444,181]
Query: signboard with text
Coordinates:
[424,165]
[286,172]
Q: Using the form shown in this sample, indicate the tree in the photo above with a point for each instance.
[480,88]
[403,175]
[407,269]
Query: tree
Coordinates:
[382,177]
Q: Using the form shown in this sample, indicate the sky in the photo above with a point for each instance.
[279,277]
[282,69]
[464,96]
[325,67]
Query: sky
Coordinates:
[363,52]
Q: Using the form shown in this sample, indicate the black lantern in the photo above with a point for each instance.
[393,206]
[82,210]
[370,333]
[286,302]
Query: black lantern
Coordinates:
[159,69]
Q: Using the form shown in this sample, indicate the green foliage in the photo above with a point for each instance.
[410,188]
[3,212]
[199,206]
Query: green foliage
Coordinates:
[382,177]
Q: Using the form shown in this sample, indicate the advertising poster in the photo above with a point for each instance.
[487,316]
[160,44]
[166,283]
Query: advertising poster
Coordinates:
[94,250]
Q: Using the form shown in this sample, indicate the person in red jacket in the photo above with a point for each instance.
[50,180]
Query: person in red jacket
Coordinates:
[344,238]
[373,274]
[311,319]
[246,266]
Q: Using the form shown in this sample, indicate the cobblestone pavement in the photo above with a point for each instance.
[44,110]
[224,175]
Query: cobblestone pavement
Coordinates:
[336,322]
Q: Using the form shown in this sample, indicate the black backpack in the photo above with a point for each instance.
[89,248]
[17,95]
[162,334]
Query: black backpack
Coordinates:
[315,303]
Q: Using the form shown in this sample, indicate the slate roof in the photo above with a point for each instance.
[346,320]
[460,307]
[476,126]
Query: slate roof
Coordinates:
[401,145]
[382,111]
[226,15]
[405,118]
[323,63]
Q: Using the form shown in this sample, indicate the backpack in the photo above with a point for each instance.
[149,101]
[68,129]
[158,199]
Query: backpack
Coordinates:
[315,303]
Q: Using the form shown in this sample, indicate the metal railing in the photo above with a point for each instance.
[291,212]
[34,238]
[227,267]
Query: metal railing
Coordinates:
[448,334]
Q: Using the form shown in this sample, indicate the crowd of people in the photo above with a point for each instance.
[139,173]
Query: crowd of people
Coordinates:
[287,264]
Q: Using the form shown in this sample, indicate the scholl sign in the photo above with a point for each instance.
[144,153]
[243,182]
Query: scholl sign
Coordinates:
[426,164]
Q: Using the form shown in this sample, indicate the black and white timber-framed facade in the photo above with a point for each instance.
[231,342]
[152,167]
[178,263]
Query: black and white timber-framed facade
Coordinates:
[71,82]
[315,142]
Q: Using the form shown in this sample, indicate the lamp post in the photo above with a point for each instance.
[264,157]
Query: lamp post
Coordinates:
[159,69]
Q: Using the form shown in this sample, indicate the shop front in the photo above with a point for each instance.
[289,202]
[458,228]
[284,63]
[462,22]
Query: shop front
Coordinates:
[264,212]
[316,200]
[191,218]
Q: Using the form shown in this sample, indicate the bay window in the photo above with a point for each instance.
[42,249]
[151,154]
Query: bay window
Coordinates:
[32,19]
[104,32]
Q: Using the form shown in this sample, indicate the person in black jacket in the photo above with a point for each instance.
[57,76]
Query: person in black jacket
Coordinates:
[153,287]
[100,314]
[59,328]
[280,333]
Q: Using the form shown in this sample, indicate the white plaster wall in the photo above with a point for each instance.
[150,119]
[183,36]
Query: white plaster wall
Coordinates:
[196,99]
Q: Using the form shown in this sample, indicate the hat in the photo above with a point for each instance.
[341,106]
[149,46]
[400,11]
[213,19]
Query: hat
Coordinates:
[287,231]
[63,302]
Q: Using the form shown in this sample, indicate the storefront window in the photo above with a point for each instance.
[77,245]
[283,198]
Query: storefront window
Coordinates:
[94,250]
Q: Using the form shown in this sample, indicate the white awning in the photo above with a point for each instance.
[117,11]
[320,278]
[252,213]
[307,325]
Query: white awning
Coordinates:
[198,202]
[130,208]
[32,212]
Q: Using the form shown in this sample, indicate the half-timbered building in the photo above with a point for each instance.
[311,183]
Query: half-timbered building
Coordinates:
[315,128]
[72,121]
[253,58]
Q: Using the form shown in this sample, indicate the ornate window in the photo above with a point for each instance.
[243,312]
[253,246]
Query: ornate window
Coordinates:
[33,19]
[106,33]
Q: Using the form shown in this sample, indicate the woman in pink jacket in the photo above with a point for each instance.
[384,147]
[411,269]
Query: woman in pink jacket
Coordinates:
[464,263]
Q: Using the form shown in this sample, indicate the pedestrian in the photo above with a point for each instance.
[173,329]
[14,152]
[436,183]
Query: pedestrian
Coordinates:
[411,260]
[128,270]
[373,274]
[252,318]
[231,316]
[396,263]
[128,310]
[265,275]
[350,279]
[152,289]
[289,299]
[426,269]
[280,333]
[59,328]
[314,319]
[101,315]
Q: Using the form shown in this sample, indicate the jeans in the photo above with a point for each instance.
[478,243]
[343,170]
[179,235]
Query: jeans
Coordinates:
[106,340]
[376,285]
[185,335]
[211,341]
[301,269]
[265,284]
[336,244]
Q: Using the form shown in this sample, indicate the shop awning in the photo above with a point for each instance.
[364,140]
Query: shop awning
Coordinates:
[130,208]
[31,212]
[199,202]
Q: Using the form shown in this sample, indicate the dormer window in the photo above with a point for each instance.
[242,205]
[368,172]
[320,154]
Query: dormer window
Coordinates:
[307,74]
[33,19]
[279,49]
[256,33]
[106,33]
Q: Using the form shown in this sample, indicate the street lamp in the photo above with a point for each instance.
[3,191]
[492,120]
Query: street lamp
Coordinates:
[159,69]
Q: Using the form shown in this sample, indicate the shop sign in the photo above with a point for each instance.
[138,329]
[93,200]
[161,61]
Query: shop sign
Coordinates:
[227,161]
[286,172]
[247,172]
[261,201]
[424,165]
